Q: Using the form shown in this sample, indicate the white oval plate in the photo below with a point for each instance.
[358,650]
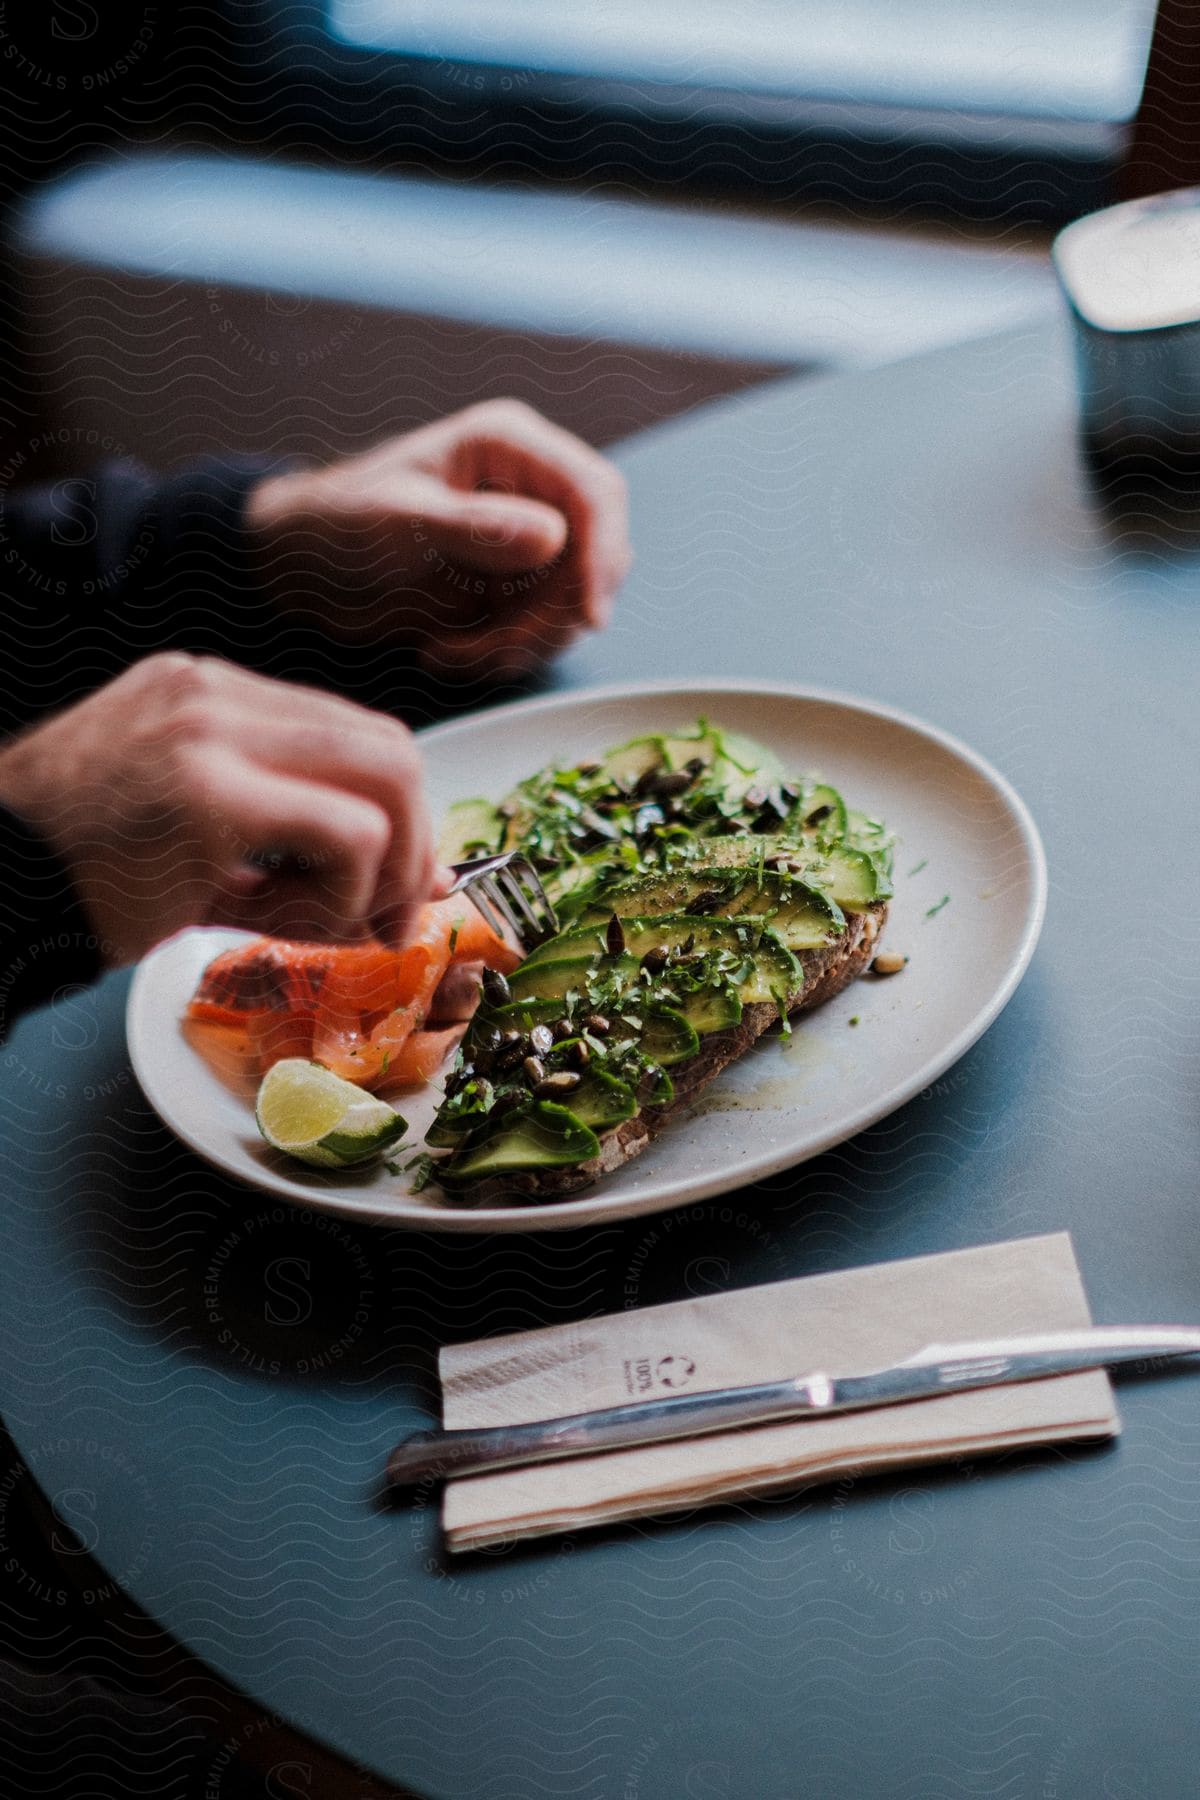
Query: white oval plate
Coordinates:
[962,831]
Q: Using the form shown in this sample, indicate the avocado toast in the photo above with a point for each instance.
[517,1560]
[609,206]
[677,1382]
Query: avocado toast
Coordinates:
[703,895]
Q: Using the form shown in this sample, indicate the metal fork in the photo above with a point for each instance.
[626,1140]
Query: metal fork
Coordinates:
[507,885]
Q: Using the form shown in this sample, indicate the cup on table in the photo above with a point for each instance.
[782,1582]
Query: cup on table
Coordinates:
[1131,276]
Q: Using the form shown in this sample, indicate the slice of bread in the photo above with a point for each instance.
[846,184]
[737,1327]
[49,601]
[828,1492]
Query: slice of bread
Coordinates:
[826,972]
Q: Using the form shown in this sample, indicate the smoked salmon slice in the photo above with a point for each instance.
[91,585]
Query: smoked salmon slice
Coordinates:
[422,1055]
[353,1007]
[346,1038]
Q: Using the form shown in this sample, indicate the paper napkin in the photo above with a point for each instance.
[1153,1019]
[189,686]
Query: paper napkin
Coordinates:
[845,1323]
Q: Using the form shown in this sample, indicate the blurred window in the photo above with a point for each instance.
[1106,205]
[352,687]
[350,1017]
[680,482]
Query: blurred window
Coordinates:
[1066,60]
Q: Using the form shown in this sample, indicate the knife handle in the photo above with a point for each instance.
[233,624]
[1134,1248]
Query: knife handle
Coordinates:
[440,1455]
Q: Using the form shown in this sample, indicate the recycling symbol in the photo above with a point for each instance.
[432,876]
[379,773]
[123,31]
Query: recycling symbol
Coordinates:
[675,1371]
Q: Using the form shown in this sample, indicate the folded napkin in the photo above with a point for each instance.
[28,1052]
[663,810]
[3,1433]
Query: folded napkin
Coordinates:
[846,1323]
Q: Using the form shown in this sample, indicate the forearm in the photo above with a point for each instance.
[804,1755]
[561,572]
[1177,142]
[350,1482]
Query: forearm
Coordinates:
[108,566]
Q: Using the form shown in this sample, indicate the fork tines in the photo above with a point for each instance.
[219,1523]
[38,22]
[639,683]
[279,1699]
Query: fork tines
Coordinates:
[508,886]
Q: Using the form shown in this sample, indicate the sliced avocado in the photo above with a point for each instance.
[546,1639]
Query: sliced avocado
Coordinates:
[642,934]
[679,750]
[450,1128]
[708,1009]
[562,883]
[542,1136]
[854,878]
[711,1009]
[447,1130]
[821,811]
[468,1108]
[627,762]
[872,836]
[471,827]
[523,1015]
[776,972]
[851,878]
[553,977]
[776,969]
[667,1037]
[602,1100]
[800,916]
[658,1089]
[741,763]
[736,762]
[820,814]
[542,988]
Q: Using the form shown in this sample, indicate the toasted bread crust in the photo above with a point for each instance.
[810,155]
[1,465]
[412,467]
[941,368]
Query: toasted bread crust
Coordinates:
[826,972]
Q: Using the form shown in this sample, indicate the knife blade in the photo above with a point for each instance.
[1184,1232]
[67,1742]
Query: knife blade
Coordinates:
[936,1369]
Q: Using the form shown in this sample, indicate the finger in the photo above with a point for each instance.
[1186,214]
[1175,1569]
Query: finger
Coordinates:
[457,994]
[360,754]
[406,884]
[340,746]
[535,613]
[522,622]
[504,651]
[513,442]
[499,533]
[327,846]
[283,907]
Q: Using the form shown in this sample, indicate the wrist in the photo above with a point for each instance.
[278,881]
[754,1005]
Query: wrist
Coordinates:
[270,501]
[274,510]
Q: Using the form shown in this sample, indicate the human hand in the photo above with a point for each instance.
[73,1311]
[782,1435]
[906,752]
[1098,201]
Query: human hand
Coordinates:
[190,792]
[487,542]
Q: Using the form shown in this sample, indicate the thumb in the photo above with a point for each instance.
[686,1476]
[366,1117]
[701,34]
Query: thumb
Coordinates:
[503,534]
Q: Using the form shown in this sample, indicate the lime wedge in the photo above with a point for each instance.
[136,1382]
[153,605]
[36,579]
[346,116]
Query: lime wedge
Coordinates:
[310,1113]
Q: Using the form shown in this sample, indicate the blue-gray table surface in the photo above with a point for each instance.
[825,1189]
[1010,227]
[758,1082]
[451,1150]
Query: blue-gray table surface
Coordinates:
[208,1382]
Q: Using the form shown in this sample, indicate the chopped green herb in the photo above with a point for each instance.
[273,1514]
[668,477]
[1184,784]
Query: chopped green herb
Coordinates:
[931,910]
[424,1165]
[455,928]
[386,1063]
[923,864]
[855,1017]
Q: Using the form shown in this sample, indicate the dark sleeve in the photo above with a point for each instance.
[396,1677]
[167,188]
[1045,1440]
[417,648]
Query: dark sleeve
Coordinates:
[107,566]
[46,942]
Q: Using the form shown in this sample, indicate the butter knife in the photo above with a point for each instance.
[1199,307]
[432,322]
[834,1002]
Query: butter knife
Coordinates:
[937,1369]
